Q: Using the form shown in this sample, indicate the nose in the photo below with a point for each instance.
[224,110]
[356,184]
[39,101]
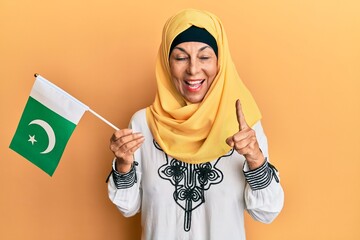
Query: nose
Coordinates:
[193,67]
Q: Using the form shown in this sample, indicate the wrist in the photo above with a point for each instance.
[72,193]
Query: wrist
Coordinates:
[255,162]
[122,167]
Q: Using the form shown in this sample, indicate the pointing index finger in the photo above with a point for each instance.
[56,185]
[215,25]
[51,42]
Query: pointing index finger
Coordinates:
[240,116]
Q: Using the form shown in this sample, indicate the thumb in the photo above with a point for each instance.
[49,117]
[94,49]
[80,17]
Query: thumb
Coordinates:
[240,116]
[229,141]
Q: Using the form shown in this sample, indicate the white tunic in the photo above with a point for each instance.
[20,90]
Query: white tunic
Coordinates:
[181,201]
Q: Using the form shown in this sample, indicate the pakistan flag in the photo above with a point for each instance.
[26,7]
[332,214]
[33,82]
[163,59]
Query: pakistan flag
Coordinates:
[49,118]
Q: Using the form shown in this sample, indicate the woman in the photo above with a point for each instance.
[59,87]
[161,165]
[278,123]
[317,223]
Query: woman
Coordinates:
[192,162]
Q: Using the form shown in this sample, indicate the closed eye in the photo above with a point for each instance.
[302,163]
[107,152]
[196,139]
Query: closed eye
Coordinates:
[181,58]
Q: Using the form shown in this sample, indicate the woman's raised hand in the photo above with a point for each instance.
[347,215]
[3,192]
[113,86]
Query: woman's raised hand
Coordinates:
[245,142]
[123,143]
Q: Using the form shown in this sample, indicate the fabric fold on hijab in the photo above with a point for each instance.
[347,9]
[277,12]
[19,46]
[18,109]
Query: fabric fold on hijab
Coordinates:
[196,133]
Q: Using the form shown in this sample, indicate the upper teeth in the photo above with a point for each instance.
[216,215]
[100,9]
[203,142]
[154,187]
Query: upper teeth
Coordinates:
[194,82]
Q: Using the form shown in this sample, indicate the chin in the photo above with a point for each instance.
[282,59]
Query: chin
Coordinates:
[194,99]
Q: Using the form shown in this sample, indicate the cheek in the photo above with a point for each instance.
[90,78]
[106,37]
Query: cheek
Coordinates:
[175,77]
[212,72]
[175,71]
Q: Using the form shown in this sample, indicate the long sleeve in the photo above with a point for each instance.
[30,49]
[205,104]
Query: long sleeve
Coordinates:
[124,190]
[264,196]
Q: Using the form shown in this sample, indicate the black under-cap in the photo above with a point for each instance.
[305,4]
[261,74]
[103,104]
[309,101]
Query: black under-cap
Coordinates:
[195,34]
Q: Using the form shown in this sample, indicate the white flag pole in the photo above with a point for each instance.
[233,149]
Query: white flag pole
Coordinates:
[104,120]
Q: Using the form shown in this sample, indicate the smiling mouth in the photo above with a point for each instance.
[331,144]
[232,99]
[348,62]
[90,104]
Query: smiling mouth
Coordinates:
[194,85]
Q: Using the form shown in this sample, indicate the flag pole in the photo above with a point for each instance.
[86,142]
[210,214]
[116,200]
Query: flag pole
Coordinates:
[104,120]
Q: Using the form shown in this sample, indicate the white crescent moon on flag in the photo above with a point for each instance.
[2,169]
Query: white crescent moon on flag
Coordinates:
[49,131]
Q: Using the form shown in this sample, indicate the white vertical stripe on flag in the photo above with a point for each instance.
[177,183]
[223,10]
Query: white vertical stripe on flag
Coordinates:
[58,100]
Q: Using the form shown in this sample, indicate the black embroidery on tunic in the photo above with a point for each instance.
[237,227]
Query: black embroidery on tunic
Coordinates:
[262,176]
[190,182]
[125,180]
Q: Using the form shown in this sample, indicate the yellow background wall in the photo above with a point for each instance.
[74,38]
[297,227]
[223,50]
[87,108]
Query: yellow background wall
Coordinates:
[300,59]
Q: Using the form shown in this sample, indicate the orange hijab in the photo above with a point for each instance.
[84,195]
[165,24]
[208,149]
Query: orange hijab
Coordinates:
[196,133]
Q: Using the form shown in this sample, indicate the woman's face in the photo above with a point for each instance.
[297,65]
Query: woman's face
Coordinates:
[193,67]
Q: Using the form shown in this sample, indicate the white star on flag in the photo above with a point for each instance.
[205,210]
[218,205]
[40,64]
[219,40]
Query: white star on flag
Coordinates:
[32,139]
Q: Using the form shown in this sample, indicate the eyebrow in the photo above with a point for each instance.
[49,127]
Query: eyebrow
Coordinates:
[183,50]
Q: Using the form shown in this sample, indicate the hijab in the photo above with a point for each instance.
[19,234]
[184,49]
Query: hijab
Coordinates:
[196,132]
